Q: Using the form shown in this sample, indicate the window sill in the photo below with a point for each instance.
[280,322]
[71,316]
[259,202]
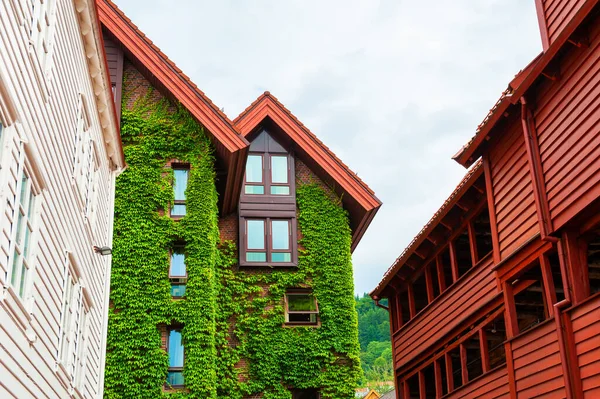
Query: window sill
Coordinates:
[294,325]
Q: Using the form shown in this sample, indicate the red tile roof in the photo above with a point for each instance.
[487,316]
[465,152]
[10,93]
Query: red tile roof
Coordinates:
[460,189]
[367,204]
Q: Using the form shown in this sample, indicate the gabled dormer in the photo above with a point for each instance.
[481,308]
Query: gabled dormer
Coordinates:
[267,209]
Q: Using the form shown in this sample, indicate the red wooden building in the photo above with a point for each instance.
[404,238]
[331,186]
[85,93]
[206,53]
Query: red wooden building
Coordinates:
[498,295]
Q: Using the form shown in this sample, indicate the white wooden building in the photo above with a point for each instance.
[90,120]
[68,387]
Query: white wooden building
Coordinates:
[60,152]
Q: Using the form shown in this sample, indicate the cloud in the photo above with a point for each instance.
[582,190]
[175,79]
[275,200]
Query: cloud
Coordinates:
[393,87]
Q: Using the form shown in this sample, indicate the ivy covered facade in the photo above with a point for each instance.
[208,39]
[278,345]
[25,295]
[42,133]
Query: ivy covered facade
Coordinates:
[252,300]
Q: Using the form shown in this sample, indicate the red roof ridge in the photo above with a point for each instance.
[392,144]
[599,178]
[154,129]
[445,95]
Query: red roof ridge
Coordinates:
[412,246]
[268,94]
[171,63]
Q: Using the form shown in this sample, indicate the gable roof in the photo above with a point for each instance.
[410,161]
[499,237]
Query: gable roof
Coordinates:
[231,147]
[520,85]
[389,395]
[358,198]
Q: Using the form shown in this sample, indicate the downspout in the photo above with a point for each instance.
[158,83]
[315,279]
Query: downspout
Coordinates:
[573,390]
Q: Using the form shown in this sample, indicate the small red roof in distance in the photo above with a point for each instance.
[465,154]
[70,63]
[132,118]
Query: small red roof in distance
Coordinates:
[358,198]
[231,147]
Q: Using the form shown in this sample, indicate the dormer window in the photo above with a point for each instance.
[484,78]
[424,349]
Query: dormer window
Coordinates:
[268,168]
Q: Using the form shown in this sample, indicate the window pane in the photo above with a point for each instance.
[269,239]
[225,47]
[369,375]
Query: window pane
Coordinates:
[280,233]
[254,189]
[281,257]
[175,349]
[302,318]
[181,178]
[256,256]
[175,378]
[254,169]
[301,303]
[279,169]
[178,210]
[280,190]
[15,268]
[256,234]
[177,263]
[177,290]
[23,278]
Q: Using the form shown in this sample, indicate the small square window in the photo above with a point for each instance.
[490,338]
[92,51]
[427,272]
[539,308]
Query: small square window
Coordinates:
[301,308]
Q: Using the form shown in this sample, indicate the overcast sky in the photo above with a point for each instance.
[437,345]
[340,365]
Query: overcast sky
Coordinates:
[393,87]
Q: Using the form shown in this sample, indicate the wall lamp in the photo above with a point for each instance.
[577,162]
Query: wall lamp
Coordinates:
[102,250]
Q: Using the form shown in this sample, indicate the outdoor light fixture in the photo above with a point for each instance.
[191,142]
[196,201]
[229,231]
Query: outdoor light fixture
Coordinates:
[102,250]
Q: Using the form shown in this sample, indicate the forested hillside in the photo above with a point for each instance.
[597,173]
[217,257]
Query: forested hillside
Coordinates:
[374,338]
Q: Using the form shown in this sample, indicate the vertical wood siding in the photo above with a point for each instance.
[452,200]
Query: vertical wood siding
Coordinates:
[114,59]
[445,313]
[558,13]
[493,385]
[569,132]
[586,324]
[513,191]
[28,369]
[537,363]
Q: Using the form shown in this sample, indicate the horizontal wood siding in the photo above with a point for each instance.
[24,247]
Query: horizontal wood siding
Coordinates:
[568,128]
[445,313]
[586,324]
[558,13]
[537,363]
[47,122]
[513,191]
[493,385]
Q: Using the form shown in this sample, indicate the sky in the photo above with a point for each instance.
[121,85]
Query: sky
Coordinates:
[393,87]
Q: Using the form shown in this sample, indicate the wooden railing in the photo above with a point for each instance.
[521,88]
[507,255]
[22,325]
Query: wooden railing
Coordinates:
[446,312]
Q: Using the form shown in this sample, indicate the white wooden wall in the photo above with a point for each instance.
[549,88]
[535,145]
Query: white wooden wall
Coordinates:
[39,104]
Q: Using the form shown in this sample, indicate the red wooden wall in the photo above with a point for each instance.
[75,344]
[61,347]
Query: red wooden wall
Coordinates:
[555,15]
[537,363]
[493,385]
[512,190]
[586,324]
[567,122]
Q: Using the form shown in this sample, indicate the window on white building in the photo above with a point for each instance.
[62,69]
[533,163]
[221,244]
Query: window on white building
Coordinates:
[22,211]
[85,161]
[72,336]
[42,21]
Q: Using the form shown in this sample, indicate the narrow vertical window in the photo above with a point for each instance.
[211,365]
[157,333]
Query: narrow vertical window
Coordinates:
[176,358]
[280,175]
[22,230]
[177,272]
[280,241]
[254,175]
[256,250]
[179,186]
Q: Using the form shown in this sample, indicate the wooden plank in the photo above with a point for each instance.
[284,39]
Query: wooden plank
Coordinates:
[472,243]
[429,284]
[422,385]
[483,348]
[441,275]
[439,392]
[512,327]
[548,285]
[411,301]
[491,207]
[453,261]
[463,364]
[449,372]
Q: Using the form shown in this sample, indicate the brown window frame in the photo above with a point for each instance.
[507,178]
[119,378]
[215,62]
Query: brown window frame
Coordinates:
[178,280]
[174,167]
[268,242]
[301,291]
[175,369]
[267,182]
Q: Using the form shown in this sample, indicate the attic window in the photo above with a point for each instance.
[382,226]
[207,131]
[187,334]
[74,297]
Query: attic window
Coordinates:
[268,168]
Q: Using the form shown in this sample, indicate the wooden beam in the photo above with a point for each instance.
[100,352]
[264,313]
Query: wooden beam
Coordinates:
[548,285]
[483,347]
[398,310]
[406,389]
[411,301]
[422,385]
[510,316]
[437,369]
[489,188]
[453,261]
[429,284]
[575,251]
[440,270]
[472,243]
[463,364]
[449,373]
